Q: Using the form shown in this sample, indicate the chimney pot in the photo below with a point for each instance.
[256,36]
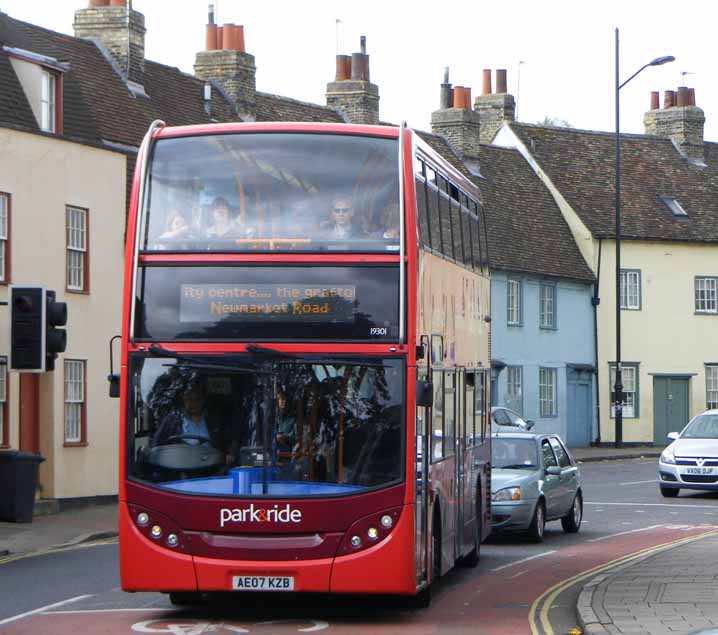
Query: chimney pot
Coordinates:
[211,37]
[446,74]
[486,86]
[655,100]
[118,3]
[501,81]
[691,96]
[362,44]
[229,40]
[210,13]
[467,97]
[358,62]
[220,37]
[669,99]
[99,3]
[239,35]
[682,96]
[460,97]
[344,68]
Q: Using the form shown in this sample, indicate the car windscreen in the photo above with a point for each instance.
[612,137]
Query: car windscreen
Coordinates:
[254,425]
[702,427]
[508,453]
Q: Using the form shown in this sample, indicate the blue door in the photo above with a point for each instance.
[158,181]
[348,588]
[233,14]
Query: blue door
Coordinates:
[578,426]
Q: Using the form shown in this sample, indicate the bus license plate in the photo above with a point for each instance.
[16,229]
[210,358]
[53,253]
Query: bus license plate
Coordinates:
[262,583]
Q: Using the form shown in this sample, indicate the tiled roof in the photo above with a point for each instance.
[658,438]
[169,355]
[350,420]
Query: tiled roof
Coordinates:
[581,164]
[527,232]
[276,108]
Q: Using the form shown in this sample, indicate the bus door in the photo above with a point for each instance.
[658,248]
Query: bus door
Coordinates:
[422,459]
[462,473]
[470,467]
[450,469]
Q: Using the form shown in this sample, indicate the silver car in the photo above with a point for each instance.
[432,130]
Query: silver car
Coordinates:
[506,420]
[534,479]
[691,460]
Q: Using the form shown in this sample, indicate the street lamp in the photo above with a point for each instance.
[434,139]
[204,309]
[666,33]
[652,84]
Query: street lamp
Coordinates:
[618,386]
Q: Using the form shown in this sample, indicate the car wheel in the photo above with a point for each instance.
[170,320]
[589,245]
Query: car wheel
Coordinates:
[669,492]
[571,522]
[185,598]
[471,559]
[538,523]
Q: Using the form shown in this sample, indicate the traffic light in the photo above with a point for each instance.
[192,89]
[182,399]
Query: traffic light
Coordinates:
[55,338]
[35,339]
[27,328]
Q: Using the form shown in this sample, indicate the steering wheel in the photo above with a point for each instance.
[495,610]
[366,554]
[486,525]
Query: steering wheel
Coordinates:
[179,438]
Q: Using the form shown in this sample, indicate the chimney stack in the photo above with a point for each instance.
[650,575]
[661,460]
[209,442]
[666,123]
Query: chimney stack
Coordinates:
[494,108]
[455,121]
[680,120]
[119,30]
[351,93]
[226,64]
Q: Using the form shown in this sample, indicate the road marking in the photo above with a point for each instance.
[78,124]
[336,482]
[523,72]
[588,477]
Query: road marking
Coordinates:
[623,533]
[44,552]
[673,505]
[511,564]
[42,609]
[653,480]
[551,593]
[127,610]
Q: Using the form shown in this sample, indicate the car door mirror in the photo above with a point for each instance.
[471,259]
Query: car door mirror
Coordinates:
[529,424]
[672,436]
[553,470]
[424,394]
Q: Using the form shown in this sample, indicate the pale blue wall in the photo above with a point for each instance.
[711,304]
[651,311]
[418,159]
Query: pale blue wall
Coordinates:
[531,347]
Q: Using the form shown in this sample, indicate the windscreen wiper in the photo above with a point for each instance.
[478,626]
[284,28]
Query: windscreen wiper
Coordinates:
[187,361]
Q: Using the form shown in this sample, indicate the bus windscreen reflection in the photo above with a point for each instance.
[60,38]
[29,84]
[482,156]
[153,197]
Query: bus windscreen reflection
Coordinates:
[251,426]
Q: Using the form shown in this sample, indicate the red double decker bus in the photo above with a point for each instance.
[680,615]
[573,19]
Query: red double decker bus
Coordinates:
[304,363]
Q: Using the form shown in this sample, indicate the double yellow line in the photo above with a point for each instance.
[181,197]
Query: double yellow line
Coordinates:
[42,552]
[538,613]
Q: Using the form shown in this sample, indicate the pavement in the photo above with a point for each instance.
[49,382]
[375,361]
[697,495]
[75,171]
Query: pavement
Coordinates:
[664,592]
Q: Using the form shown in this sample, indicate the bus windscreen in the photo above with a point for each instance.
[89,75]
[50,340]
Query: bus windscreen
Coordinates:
[255,425]
[273,192]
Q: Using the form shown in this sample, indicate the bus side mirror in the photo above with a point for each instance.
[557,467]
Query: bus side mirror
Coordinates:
[114,385]
[424,394]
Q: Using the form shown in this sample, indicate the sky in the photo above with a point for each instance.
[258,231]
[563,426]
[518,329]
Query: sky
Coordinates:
[559,54]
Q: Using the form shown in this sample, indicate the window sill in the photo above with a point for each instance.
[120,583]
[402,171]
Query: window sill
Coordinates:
[713,313]
[630,308]
[74,444]
[548,328]
[78,291]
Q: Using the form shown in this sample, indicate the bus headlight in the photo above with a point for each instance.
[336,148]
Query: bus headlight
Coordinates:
[156,531]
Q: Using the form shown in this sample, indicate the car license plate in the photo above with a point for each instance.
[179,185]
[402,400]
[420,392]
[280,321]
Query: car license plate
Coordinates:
[262,583]
[702,471]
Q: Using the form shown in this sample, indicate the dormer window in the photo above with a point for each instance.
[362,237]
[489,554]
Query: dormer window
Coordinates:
[48,104]
[41,80]
[673,206]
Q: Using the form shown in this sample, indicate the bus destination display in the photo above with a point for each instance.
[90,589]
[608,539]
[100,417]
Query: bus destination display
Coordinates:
[259,302]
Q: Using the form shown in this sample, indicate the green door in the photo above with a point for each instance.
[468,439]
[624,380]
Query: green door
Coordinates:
[670,406]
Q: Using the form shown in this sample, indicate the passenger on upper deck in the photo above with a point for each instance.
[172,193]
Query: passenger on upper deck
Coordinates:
[224,226]
[177,229]
[340,224]
[389,221]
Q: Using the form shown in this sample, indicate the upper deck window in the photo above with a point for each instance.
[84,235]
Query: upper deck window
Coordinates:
[273,192]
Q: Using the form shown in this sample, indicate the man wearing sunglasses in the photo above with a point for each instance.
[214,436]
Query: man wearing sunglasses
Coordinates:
[340,224]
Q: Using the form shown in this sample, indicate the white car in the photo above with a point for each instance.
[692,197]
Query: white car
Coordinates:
[691,461]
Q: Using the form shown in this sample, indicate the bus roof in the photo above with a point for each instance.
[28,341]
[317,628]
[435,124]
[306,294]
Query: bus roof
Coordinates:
[239,127]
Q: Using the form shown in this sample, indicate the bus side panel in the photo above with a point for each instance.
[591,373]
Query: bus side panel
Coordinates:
[309,575]
[148,567]
[385,568]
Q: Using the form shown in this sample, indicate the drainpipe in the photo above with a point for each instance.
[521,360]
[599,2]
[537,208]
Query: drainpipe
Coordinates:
[595,301]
